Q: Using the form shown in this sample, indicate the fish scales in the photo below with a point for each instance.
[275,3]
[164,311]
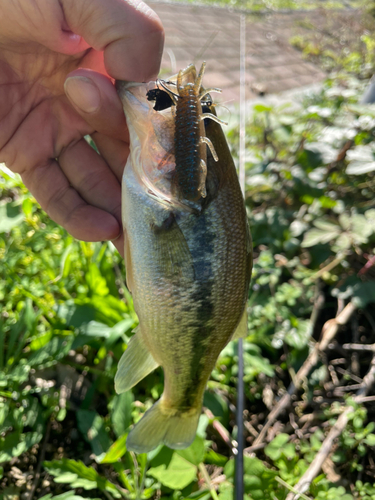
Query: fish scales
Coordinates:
[188,267]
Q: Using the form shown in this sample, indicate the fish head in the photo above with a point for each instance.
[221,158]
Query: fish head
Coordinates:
[150,113]
[151,135]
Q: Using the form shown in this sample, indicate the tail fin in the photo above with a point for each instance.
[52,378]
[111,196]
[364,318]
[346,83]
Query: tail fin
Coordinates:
[158,425]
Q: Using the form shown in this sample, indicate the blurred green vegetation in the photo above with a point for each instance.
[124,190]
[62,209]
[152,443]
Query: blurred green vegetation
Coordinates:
[280,5]
[66,318]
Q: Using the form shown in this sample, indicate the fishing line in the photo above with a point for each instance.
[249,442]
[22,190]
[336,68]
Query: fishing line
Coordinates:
[239,466]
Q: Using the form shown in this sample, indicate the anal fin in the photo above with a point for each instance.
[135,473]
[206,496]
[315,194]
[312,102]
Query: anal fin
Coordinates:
[241,330]
[135,364]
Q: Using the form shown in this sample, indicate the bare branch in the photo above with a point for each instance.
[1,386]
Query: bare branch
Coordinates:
[304,483]
[359,347]
[219,428]
[329,330]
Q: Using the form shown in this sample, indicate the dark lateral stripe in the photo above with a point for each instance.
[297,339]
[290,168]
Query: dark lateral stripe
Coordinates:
[202,256]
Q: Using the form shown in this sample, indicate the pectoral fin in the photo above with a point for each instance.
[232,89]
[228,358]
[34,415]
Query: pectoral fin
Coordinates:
[134,365]
[171,251]
[241,331]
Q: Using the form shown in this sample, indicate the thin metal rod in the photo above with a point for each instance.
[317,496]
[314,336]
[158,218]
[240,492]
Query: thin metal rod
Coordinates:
[242,101]
[239,489]
[239,465]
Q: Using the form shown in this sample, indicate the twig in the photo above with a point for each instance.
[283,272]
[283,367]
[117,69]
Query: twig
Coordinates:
[335,262]
[289,487]
[40,461]
[329,330]
[108,495]
[304,483]
[350,375]
[333,374]
[219,428]
[251,428]
[367,266]
[355,367]
[207,479]
[256,447]
[359,347]
[365,399]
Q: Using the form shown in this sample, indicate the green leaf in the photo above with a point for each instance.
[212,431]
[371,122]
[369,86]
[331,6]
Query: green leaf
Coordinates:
[299,335]
[16,443]
[200,495]
[254,485]
[370,439]
[27,206]
[229,468]
[40,341]
[195,452]
[326,226]
[57,348]
[95,281]
[176,474]
[255,364]
[217,404]
[96,329]
[262,108]
[275,448]
[109,309]
[10,217]
[361,160]
[78,475]
[116,451]
[253,466]
[121,414]
[316,236]
[69,495]
[343,242]
[326,152]
[211,457]
[91,424]
[226,491]
[364,294]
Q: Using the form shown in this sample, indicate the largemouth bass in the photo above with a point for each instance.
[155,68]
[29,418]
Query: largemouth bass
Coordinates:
[187,252]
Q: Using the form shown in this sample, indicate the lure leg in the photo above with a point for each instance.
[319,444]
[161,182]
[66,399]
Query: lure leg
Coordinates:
[207,91]
[207,141]
[198,81]
[202,185]
[213,117]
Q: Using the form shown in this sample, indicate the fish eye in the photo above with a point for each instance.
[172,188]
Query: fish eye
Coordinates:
[162,99]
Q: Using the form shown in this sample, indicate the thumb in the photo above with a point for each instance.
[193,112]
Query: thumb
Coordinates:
[128,31]
[95,99]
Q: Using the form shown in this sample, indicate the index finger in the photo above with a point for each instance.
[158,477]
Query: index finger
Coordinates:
[128,31]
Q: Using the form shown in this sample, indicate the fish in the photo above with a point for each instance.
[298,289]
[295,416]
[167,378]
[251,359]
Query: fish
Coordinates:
[188,251]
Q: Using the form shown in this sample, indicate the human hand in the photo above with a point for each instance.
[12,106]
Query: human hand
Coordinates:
[45,44]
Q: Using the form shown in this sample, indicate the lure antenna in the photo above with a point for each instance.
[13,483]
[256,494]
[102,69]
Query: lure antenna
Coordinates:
[239,459]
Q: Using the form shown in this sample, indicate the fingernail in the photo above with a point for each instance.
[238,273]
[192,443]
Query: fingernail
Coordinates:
[117,237]
[83,93]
